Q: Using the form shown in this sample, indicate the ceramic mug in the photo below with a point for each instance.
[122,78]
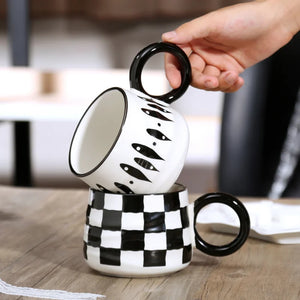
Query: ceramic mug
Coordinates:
[129,141]
[131,235]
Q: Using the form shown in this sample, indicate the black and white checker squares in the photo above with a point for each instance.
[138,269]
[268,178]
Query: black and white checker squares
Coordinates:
[137,230]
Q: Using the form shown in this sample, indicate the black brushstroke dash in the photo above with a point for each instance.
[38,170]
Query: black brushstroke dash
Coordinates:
[153,101]
[102,188]
[145,164]
[124,188]
[158,107]
[132,171]
[146,151]
[155,114]
[157,134]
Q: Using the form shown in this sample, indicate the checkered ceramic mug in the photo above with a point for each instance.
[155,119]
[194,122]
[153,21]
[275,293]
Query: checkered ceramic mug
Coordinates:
[130,235]
[130,141]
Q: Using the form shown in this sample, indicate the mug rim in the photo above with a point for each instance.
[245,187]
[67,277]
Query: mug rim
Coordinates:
[177,186]
[91,171]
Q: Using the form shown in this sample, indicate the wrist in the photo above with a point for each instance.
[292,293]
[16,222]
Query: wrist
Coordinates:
[289,10]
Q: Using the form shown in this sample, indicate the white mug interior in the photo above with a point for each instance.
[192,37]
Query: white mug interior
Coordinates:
[98,132]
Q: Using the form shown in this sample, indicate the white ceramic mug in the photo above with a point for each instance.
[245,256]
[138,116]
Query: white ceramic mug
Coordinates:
[129,141]
[131,235]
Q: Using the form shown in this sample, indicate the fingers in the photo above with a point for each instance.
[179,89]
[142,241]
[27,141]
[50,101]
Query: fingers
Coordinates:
[195,29]
[230,81]
[204,76]
[172,67]
[235,86]
[227,82]
[212,69]
[172,71]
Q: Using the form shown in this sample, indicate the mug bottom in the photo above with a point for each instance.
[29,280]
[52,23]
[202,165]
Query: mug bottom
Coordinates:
[133,271]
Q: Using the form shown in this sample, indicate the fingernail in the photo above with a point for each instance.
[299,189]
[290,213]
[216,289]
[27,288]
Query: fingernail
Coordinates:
[230,78]
[209,84]
[169,35]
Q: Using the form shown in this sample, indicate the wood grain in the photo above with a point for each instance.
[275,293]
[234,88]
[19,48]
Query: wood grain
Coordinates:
[41,246]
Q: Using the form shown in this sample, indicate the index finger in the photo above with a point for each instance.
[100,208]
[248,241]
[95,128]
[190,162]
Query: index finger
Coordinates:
[172,68]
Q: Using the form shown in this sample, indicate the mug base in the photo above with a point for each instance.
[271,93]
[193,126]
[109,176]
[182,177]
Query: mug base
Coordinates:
[134,271]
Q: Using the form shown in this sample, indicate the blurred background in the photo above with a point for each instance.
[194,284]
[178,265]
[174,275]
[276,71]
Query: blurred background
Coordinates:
[77,49]
[57,56]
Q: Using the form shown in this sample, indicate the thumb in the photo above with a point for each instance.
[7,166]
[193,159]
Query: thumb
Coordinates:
[187,32]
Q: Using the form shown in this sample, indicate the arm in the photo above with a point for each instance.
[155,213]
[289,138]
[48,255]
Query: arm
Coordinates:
[223,43]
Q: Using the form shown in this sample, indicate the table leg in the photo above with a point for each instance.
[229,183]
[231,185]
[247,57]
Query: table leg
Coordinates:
[22,167]
[18,27]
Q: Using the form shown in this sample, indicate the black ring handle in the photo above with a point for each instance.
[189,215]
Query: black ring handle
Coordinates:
[240,210]
[142,57]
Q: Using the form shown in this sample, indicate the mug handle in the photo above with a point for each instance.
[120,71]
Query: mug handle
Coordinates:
[244,219]
[142,57]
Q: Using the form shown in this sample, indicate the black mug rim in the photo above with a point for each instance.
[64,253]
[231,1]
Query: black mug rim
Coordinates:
[97,99]
[178,186]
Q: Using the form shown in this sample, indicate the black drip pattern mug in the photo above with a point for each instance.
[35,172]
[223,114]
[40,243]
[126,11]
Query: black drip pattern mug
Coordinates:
[125,140]
[142,235]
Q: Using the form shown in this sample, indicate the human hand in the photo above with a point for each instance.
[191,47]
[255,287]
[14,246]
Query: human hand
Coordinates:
[223,43]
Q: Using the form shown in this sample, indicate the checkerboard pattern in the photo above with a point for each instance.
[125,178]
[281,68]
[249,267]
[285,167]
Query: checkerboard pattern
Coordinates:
[144,230]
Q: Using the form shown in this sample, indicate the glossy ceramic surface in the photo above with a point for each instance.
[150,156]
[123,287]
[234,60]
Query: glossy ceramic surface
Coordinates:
[129,141]
[138,235]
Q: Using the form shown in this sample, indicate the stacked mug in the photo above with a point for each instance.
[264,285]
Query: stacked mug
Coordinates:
[130,148]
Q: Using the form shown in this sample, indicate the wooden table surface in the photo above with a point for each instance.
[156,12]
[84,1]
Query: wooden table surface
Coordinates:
[41,246]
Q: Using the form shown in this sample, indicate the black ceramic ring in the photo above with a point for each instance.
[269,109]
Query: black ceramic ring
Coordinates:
[142,57]
[244,219]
